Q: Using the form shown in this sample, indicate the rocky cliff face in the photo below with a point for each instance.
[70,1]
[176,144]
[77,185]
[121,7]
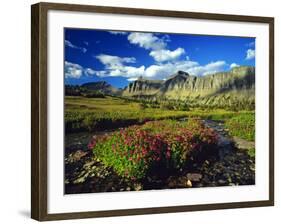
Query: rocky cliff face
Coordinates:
[143,87]
[239,81]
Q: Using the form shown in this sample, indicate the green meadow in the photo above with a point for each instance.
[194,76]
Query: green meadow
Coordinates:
[88,114]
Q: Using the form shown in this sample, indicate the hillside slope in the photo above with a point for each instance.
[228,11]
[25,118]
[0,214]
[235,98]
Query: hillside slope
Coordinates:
[103,87]
[224,88]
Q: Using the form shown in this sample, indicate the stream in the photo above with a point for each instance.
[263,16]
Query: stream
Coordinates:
[233,166]
[225,142]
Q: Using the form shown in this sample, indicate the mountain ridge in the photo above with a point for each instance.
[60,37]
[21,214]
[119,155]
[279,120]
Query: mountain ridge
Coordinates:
[234,88]
[103,87]
[181,84]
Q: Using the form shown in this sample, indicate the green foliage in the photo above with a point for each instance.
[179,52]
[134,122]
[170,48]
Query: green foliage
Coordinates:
[251,152]
[89,122]
[228,101]
[90,114]
[135,151]
[75,90]
[242,125]
[104,113]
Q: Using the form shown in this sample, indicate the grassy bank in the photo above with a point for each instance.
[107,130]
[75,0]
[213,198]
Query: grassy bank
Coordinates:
[90,114]
[242,125]
[109,112]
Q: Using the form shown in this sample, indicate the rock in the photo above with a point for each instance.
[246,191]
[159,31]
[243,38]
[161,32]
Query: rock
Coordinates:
[221,182]
[76,156]
[243,144]
[188,183]
[229,179]
[81,179]
[201,89]
[252,169]
[206,179]
[137,186]
[142,86]
[172,183]
[236,173]
[88,165]
[196,177]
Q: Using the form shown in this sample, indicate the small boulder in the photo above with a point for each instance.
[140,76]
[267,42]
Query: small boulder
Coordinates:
[188,183]
[195,177]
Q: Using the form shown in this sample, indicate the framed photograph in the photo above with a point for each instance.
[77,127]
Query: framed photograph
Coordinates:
[139,111]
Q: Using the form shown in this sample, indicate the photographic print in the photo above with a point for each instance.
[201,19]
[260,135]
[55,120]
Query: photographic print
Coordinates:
[140,111]
[147,111]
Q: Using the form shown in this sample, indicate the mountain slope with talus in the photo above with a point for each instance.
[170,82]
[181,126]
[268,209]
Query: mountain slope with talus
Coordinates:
[234,86]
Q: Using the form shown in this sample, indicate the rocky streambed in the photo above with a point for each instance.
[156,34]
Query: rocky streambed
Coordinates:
[233,166]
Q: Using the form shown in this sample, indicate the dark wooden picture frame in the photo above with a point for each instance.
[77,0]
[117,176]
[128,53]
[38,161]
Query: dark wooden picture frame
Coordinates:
[39,191]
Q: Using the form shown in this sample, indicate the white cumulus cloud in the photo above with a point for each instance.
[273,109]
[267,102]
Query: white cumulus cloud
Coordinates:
[75,71]
[125,71]
[114,62]
[72,70]
[250,54]
[163,71]
[132,79]
[118,32]
[69,44]
[210,68]
[155,71]
[116,66]
[146,40]
[157,46]
[233,65]
[166,55]
[167,62]
[89,71]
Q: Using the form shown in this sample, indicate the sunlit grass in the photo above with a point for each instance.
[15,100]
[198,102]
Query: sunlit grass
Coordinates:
[242,125]
[83,113]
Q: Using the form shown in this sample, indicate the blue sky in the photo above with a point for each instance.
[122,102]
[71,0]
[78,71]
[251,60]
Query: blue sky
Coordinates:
[121,57]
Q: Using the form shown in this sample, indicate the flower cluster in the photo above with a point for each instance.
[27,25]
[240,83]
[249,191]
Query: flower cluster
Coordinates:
[132,151]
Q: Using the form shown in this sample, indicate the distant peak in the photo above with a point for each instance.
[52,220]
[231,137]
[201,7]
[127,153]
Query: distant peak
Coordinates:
[182,73]
[179,73]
